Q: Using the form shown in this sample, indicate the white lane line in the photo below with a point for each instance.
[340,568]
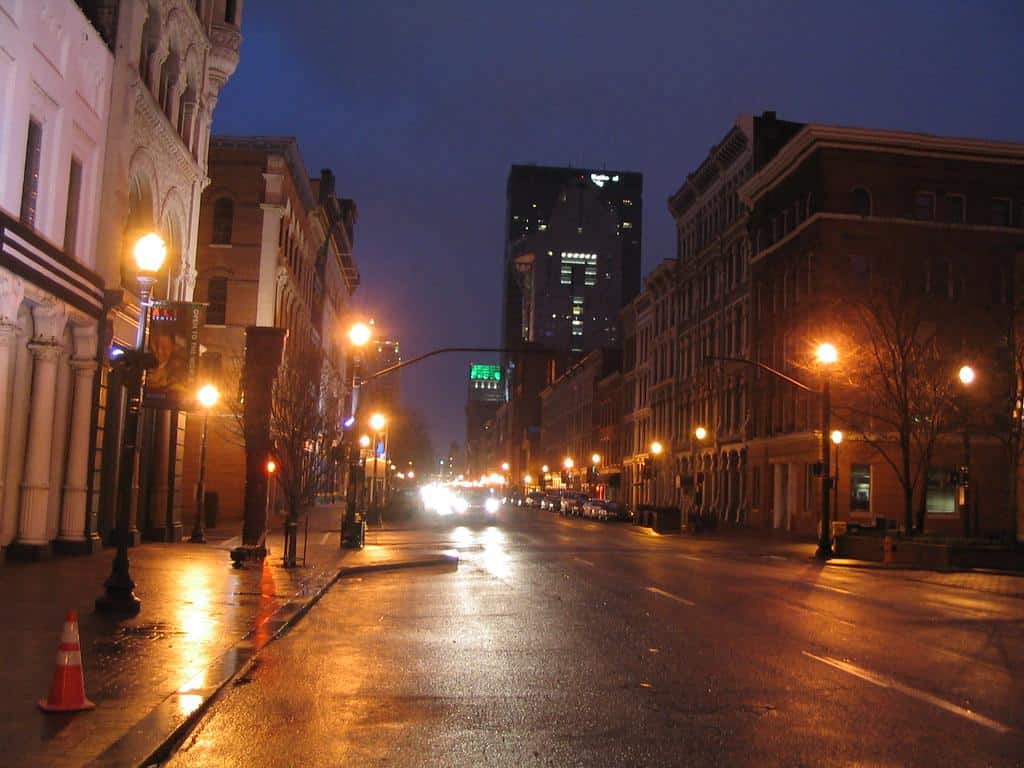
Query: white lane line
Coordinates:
[581,560]
[692,557]
[887,682]
[840,590]
[670,596]
[325,537]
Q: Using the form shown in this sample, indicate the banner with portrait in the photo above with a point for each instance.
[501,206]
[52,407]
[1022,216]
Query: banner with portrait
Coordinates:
[174,342]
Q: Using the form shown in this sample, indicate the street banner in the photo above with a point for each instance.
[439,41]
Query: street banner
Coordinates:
[174,341]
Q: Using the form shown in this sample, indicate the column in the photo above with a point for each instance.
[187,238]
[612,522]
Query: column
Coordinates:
[35,485]
[72,537]
[12,292]
[17,429]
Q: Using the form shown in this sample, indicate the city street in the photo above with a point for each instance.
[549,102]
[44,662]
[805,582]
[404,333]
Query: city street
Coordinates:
[565,642]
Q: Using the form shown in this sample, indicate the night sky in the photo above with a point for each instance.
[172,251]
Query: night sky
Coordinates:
[420,108]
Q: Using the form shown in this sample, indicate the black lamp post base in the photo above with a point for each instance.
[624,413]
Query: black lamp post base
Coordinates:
[197,537]
[118,602]
[823,553]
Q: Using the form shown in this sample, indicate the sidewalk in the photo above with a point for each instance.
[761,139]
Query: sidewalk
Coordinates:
[201,622]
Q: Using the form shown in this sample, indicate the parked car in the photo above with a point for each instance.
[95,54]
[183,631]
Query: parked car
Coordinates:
[533,499]
[572,503]
[552,502]
[594,509]
[616,510]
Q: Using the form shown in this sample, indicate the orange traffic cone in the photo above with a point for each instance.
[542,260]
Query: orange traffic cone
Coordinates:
[67,691]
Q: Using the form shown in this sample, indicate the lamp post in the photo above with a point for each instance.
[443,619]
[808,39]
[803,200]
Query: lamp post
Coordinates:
[837,437]
[966,375]
[119,596]
[827,355]
[595,462]
[359,335]
[568,464]
[700,434]
[656,450]
[271,468]
[208,396]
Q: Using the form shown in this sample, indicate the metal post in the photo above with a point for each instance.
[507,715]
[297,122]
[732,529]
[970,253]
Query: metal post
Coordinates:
[825,537]
[835,485]
[119,588]
[198,533]
[965,479]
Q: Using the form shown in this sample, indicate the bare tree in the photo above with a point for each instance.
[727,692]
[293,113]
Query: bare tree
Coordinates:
[900,388]
[304,431]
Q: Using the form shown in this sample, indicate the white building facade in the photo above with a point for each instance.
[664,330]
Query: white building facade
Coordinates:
[55,84]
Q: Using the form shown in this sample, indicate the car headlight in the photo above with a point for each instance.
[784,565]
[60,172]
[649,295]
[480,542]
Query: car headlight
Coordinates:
[492,505]
[461,505]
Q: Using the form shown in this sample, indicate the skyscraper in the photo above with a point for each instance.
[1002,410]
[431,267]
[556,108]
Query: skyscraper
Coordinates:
[572,256]
[485,396]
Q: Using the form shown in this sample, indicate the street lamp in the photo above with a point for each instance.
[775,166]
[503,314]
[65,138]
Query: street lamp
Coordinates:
[966,375]
[359,335]
[505,466]
[545,469]
[827,356]
[378,421]
[657,448]
[568,463]
[208,396]
[837,438]
[527,479]
[150,251]
[700,434]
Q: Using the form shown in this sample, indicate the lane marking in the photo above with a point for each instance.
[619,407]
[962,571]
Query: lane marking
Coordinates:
[692,557]
[670,596]
[581,560]
[887,682]
[840,590]
[325,537]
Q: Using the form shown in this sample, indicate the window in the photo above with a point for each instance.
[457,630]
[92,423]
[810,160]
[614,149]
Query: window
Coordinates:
[956,209]
[217,299]
[229,11]
[74,198]
[223,215]
[1000,212]
[861,202]
[30,180]
[860,487]
[939,493]
[924,206]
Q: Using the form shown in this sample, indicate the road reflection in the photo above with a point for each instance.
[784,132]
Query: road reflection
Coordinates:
[487,548]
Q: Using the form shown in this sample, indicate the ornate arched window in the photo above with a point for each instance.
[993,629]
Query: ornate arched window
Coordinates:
[223,219]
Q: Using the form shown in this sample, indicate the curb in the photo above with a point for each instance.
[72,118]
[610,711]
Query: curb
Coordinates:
[423,562]
[233,664]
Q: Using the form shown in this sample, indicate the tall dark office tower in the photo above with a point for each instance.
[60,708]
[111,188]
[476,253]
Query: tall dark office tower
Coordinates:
[572,256]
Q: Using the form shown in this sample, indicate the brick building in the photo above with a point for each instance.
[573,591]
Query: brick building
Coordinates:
[275,249]
[846,223]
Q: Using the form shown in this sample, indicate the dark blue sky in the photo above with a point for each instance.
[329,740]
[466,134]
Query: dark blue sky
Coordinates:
[420,108]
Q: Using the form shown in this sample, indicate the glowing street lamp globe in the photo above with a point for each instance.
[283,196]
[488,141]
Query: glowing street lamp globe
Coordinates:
[527,479]
[364,441]
[568,463]
[545,469]
[700,433]
[504,466]
[360,334]
[150,252]
[208,395]
[378,421]
[657,448]
[595,459]
[837,436]
[966,375]
[826,354]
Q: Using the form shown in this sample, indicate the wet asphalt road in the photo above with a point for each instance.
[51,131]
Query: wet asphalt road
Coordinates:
[570,643]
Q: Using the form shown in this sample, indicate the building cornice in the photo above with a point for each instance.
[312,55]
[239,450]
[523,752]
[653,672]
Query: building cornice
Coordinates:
[814,137]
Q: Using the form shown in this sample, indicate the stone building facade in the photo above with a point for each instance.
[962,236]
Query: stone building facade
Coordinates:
[172,58]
